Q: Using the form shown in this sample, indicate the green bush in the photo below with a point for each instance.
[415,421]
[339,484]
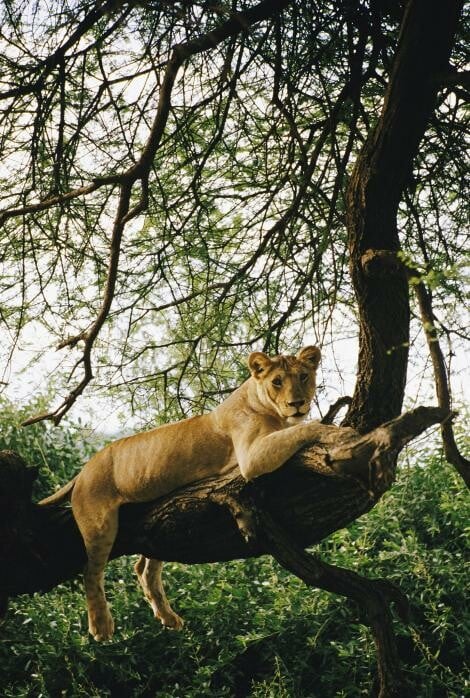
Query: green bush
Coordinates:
[58,452]
[252,629]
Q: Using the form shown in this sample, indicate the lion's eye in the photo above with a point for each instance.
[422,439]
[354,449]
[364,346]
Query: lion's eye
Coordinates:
[277,382]
[304,377]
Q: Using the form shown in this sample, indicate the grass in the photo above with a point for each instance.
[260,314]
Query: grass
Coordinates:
[252,629]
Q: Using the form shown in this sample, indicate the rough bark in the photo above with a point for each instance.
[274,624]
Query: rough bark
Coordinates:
[320,490]
[375,189]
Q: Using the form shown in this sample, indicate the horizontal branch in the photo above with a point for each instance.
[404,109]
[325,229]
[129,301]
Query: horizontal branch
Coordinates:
[318,491]
[51,201]
[454,78]
[323,488]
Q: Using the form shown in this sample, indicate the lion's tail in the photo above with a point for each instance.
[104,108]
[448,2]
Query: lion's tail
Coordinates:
[61,495]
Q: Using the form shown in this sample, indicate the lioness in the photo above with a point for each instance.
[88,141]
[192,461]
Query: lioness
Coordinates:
[259,426]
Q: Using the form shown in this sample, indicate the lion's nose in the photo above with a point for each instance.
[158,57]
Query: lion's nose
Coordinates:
[296,403]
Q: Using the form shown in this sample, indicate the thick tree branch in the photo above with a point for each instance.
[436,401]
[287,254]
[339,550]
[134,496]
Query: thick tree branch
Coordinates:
[372,595]
[455,78]
[327,486]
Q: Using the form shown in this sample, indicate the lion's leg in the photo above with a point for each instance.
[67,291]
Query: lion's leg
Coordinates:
[98,527]
[149,573]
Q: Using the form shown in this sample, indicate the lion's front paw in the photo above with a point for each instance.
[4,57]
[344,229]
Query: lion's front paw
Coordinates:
[170,619]
[101,624]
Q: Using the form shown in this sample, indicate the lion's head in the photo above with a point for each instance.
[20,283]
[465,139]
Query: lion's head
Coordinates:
[286,384]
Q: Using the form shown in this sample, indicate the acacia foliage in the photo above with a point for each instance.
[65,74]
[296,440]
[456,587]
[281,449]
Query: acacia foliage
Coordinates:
[229,233]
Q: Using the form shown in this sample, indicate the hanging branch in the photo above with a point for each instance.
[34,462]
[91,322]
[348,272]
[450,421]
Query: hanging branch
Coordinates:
[451,450]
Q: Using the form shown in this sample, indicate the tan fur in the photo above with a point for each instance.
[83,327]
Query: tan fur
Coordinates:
[259,426]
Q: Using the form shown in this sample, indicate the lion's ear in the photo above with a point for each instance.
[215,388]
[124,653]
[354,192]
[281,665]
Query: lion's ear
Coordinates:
[311,355]
[258,363]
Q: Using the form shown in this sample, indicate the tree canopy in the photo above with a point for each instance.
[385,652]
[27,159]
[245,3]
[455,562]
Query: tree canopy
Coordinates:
[173,186]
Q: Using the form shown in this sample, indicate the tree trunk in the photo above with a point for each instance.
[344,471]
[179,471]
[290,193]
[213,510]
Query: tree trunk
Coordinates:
[375,189]
[320,490]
